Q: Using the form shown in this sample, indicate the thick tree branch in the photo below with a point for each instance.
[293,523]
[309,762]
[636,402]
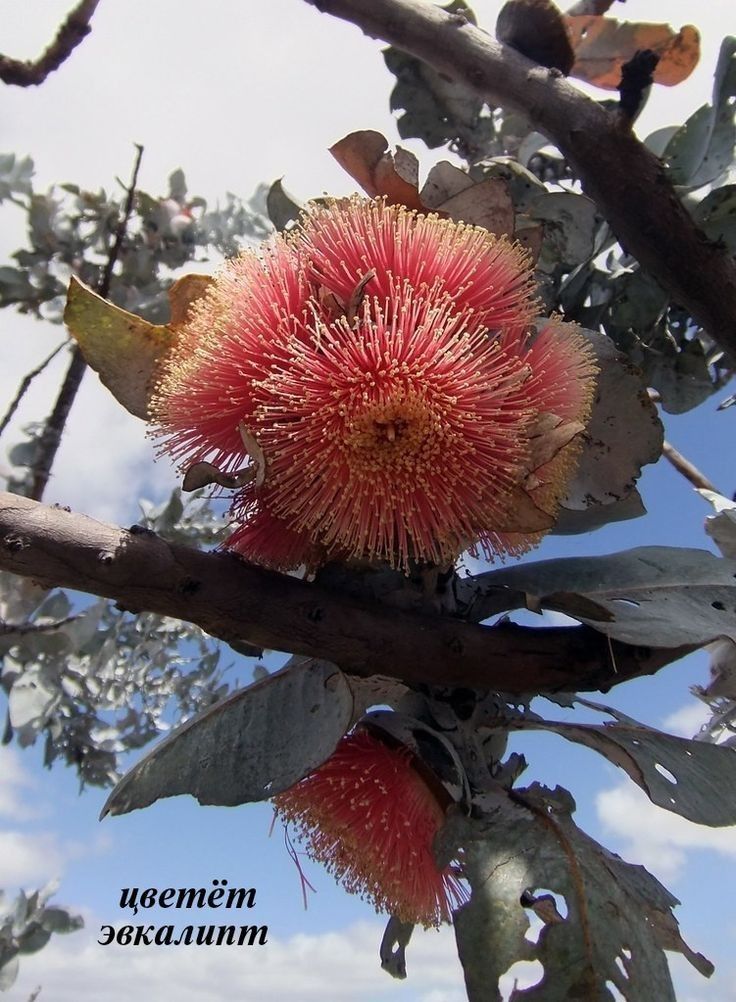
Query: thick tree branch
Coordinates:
[625,180]
[25,73]
[236,601]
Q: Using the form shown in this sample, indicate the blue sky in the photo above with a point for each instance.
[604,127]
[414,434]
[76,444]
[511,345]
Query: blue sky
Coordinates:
[254,92]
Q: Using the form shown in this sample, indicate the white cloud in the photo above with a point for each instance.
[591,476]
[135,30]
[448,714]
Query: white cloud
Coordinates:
[654,837]
[33,857]
[29,858]
[329,967]
[688,720]
[333,966]
[13,780]
[690,986]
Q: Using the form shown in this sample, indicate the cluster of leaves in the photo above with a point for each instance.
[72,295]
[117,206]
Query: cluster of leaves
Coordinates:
[95,681]
[71,232]
[26,926]
[678,359]
[584,273]
[516,843]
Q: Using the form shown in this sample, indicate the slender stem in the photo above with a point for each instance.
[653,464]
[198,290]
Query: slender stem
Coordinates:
[21,629]
[104,285]
[50,439]
[24,384]
[686,468]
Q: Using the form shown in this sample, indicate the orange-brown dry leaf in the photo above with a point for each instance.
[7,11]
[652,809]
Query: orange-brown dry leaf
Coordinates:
[602,45]
[364,155]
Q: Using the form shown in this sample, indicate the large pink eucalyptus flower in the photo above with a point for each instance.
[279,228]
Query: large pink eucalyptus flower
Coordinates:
[370,816]
[381,360]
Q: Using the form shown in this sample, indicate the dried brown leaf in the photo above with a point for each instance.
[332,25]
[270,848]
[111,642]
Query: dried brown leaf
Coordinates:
[205,474]
[550,434]
[365,156]
[602,45]
[255,452]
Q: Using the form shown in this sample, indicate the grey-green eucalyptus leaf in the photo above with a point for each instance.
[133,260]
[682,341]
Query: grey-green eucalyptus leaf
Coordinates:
[624,433]
[703,147]
[617,918]
[570,224]
[716,215]
[656,596]
[691,778]
[721,527]
[248,747]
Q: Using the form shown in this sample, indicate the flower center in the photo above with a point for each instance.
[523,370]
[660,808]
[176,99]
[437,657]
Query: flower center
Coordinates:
[389,431]
[400,434]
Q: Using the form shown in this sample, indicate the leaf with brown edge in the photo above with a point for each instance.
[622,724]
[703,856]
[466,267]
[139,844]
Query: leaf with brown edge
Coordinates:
[602,45]
[366,158]
[183,293]
[123,349]
[255,452]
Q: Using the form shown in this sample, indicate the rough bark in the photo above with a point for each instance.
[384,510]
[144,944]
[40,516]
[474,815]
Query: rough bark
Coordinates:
[234,600]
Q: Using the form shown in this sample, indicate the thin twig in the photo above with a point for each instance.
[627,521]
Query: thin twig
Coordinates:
[27,73]
[50,439]
[104,285]
[21,629]
[24,384]
[686,468]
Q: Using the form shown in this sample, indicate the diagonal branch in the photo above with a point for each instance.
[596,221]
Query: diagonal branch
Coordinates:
[687,469]
[50,440]
[24,384]
[626,181]
[24,73]
[237,601]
